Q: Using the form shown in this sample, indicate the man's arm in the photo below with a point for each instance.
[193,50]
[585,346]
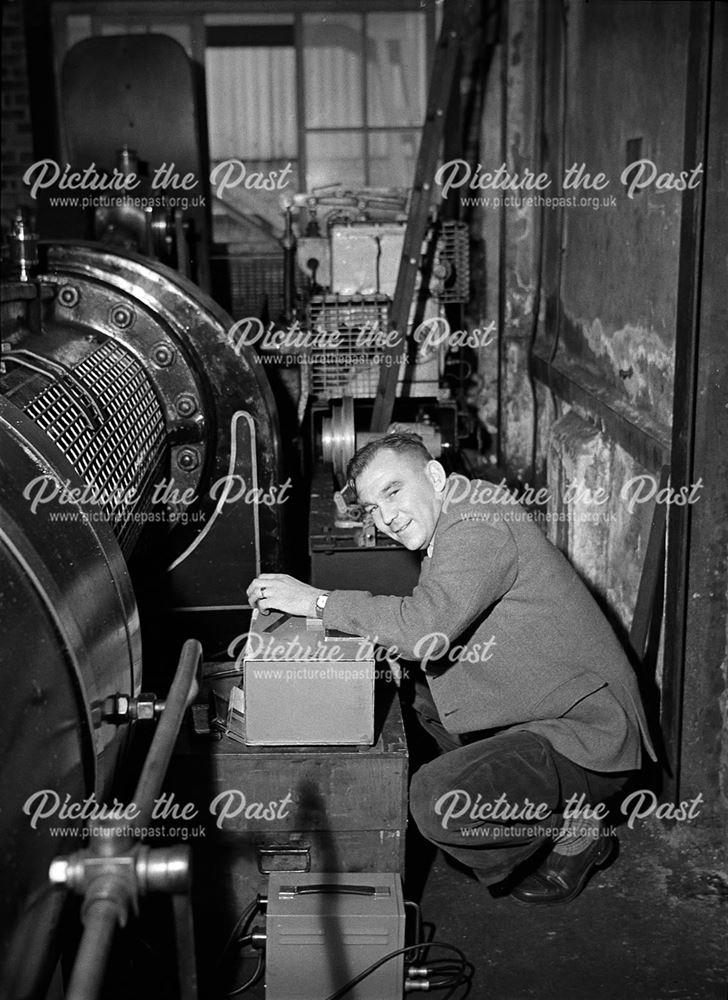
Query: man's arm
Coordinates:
[474,563]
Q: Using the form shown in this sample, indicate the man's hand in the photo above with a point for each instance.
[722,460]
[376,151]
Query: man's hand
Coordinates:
[279,592]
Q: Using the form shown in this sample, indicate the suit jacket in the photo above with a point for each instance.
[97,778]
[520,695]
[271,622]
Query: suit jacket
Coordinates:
[508,635]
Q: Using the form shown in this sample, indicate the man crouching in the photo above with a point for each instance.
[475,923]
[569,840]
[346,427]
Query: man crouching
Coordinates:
[526,689]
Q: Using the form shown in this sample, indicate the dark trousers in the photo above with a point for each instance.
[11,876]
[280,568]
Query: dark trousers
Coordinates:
[491,801]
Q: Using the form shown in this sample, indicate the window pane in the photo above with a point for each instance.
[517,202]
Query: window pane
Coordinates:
[334,158]
[251,116]
[332,62]
[392,157]
[252,19]
[78,27]
[251,216]
[396,68]
[251,103]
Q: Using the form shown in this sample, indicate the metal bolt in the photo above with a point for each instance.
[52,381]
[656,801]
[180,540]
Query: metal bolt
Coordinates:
[117,706]
[68,296]
[162,355]
[186,404]
[58,871]
[188,459]
[145,707]
[121,316]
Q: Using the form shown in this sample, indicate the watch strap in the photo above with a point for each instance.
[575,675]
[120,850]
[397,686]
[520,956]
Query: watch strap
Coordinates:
[321,603]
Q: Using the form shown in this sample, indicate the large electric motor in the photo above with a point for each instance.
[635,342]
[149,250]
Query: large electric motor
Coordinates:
[128,426]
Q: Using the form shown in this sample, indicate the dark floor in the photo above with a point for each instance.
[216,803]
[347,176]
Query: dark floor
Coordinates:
[653,926]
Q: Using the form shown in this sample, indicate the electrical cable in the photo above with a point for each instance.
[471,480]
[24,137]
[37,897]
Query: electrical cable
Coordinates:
[440,976]
[451,993]
[253,979]
[240,924]
[441,973]
[465,965]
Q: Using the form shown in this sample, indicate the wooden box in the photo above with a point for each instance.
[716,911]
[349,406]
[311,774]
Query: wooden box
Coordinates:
[297,809]
[306,686]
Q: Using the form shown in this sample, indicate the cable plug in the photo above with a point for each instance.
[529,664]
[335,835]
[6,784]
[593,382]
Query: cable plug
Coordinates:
[258,938]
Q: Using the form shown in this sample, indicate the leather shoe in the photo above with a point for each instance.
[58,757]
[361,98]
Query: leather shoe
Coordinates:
[561,877]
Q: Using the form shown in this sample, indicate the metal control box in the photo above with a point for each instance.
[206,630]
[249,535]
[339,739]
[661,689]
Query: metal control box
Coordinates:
[306,686]
[322,930]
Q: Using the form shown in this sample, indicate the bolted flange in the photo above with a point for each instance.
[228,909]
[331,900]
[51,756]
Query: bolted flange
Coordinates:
[68,296]
[188,459]
[185,404]
[121,316]
[162,355]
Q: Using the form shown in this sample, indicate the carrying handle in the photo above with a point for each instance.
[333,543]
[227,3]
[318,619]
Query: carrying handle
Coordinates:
[333,888]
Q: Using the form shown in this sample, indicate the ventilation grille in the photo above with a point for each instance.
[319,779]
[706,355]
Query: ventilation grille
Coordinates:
[106,419]
[254,286]
[351,367]
[451,269]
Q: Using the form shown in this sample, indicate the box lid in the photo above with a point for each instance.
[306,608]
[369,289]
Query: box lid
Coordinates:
[282,637]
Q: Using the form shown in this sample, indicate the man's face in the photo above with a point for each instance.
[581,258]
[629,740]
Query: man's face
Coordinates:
[403,495]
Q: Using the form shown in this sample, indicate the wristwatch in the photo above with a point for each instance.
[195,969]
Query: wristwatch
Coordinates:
[321,603]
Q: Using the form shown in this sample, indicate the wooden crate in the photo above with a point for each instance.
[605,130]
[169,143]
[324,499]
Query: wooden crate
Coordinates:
[304,809]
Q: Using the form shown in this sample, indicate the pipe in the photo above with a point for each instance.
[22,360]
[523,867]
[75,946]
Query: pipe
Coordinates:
[183,691]
[89,969]
[108,897]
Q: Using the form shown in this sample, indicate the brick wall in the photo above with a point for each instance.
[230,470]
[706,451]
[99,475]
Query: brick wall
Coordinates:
[17,144]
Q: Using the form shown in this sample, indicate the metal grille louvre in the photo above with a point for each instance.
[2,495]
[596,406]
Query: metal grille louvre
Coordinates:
[256,284]
[351,368]
[20,386]
[99,448]
[452,257]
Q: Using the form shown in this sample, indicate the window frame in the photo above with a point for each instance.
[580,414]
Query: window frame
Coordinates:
[193,13]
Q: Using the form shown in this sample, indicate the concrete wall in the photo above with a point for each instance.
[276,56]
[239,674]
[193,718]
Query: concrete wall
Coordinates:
[590,311]
[625,96]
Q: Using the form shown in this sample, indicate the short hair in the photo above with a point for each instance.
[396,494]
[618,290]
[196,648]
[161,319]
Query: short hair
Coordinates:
[404,442]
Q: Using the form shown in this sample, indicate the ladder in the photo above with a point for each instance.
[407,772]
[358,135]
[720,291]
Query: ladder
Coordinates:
[444,73]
